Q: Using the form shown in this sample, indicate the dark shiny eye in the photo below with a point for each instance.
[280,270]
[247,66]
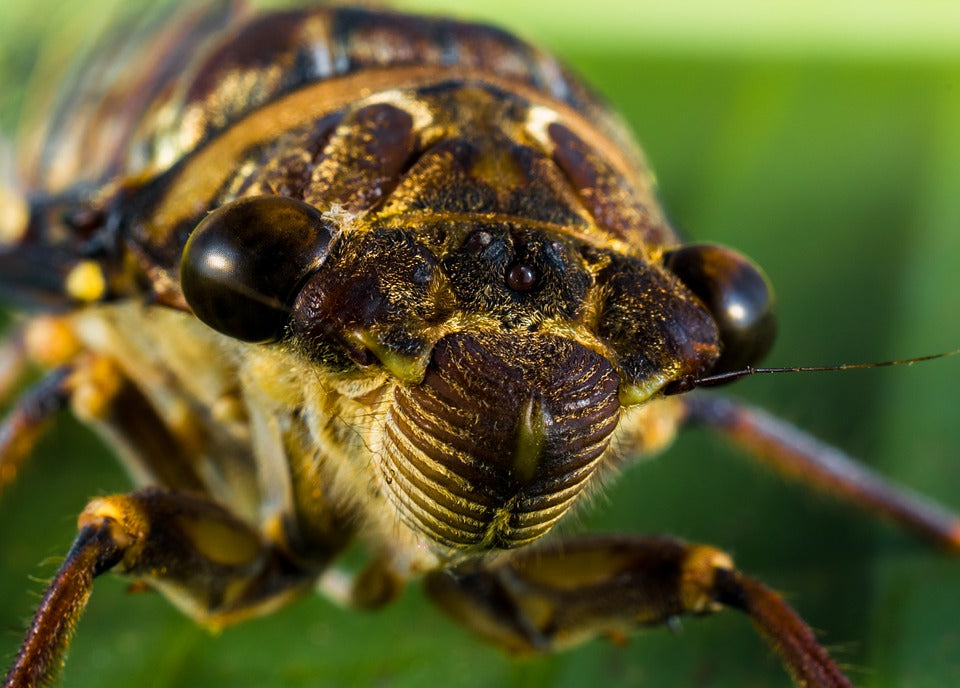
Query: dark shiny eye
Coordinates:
[739,297]
[521,277]
[242,265]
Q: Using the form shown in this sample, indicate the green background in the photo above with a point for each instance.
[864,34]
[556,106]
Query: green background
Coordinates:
[823,140]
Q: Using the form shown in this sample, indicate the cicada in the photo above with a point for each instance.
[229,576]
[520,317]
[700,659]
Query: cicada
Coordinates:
[363,299]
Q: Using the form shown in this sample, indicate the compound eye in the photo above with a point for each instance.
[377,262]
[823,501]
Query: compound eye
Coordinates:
[243,264]
[737,294]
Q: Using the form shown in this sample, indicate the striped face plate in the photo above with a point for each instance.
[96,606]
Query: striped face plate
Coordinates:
[545,431]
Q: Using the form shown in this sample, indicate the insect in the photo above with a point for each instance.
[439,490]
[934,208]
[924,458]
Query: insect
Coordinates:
[518,290]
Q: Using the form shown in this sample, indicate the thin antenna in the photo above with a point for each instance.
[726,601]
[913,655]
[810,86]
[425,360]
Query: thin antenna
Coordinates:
[687,384]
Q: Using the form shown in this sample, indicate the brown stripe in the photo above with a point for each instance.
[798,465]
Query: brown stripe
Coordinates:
[435,436]
[209,168]
[520,531]
[433,501]
[548,511]
[420,512]
[402,443]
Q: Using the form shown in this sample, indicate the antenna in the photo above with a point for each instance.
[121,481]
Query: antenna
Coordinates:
[689,383]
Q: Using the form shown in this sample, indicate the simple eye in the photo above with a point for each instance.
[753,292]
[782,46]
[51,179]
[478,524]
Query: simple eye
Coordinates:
[243,264]
[739,297]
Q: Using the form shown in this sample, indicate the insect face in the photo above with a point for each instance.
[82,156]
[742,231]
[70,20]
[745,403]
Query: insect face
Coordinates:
[481,445]
[453,292]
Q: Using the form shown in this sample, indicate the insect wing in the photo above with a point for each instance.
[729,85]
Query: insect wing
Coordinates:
[86,131]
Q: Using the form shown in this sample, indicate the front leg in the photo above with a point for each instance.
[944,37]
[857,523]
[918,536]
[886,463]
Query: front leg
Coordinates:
[208,562]
[547,598]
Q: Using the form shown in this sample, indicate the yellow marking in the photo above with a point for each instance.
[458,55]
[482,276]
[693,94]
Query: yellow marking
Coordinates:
[539,119]
[86,282]
[699,569]
[128,523]
[539,611]
[498,170]
[403,100]
[228,408]
[408,369]
[531,436]
[498,527]
[50,341]
[643,390]
[208,169]
[648,428]
[14,216]
[101,509]
[95,386]
[220,542]
[181,418]
[274,531]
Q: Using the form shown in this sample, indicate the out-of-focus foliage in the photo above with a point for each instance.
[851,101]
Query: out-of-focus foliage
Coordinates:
[831,155]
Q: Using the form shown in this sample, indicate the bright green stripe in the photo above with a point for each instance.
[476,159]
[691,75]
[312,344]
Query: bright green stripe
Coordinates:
[901,29]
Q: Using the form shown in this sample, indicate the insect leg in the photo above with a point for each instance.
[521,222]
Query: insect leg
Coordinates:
[25,424]
[50,342]
[213,566]
[13,363]
[547,598]
[804,458]
[46,340]
[98,392]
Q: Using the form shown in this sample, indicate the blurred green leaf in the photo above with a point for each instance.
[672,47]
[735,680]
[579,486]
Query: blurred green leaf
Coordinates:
[824,142]
[880,29]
